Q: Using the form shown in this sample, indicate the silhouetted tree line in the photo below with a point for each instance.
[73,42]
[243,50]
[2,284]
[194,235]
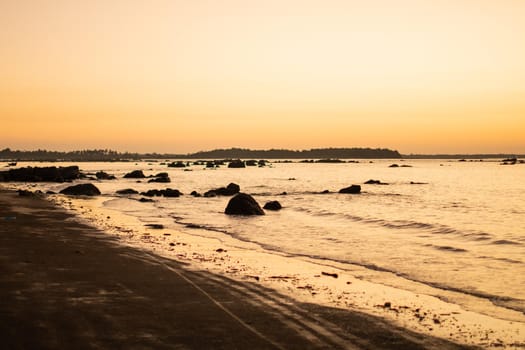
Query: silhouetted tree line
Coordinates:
[110,155]
[318,153]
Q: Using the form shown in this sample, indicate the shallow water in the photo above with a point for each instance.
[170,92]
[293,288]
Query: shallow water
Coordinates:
[459,228]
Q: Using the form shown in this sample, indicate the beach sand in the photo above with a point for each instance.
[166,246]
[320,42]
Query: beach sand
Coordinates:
[64,284]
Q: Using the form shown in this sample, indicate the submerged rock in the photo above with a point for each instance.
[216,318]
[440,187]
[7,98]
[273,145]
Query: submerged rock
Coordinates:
[354,189]
[81,190]
[160,179]
[272,205]
[127,191]
[243,204]
[102,175]
[168,192]
[178,164]
[375,182]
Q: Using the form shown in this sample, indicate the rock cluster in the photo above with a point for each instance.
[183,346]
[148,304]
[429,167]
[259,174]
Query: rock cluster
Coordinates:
[41,174]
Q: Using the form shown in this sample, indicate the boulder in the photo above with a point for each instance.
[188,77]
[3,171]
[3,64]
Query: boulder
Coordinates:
[273,205]
[243,204]
[251,162]
[135,174]
[236,164]
[127,191]
[81,190]
[354,189]
[195,194]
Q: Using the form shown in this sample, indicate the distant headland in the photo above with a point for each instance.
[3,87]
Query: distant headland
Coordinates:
[233,153]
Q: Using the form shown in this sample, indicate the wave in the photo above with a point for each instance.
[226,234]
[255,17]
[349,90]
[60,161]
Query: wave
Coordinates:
[403,224]
[447,248]
[507,302]
[505,241]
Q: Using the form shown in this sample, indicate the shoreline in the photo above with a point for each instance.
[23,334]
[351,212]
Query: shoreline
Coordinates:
[304,280]
[60,272]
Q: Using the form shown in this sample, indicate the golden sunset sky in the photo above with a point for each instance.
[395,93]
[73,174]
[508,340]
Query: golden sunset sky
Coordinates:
[419,76]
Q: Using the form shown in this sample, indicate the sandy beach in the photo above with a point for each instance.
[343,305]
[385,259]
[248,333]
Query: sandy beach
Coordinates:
[68,285]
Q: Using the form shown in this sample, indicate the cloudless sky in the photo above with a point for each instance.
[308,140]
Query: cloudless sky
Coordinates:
[181,76]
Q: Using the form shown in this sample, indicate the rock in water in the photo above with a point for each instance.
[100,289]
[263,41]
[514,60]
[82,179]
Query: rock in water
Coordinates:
[243,204]
[127,191]
[102,175]
[45,174]
[229,190]
[236,164]
[81,190]
[272,205]
[135,174]
[354,189]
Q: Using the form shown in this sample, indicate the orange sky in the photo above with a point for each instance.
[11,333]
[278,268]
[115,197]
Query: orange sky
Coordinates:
[181,76]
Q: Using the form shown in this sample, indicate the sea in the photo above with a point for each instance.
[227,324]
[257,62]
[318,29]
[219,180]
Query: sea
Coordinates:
[456,226]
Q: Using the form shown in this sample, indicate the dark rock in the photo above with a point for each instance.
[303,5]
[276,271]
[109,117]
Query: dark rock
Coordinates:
[236,164]
[178,164]
[251,162]
[325,192]
[329,161]
[101,175]
[375,182]
[284,193]
[334,275]
[160,179]
[146,200]
[272,205]
[155,226]
[229,190]
[135,174]
[163,175]
[243,204]
[127,191]
[81,190]
[394,166]
[354,189]
[24,193]
[168,192]
[195,194]
[44,174]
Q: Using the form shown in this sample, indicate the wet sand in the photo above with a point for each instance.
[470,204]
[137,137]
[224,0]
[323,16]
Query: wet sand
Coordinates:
[64,284]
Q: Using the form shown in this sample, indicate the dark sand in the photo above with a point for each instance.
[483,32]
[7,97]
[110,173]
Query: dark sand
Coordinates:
[64,285]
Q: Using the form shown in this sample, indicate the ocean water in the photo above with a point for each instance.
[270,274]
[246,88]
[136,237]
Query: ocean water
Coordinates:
[451,226]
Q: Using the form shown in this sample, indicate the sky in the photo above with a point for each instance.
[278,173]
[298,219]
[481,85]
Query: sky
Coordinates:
[178,76]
